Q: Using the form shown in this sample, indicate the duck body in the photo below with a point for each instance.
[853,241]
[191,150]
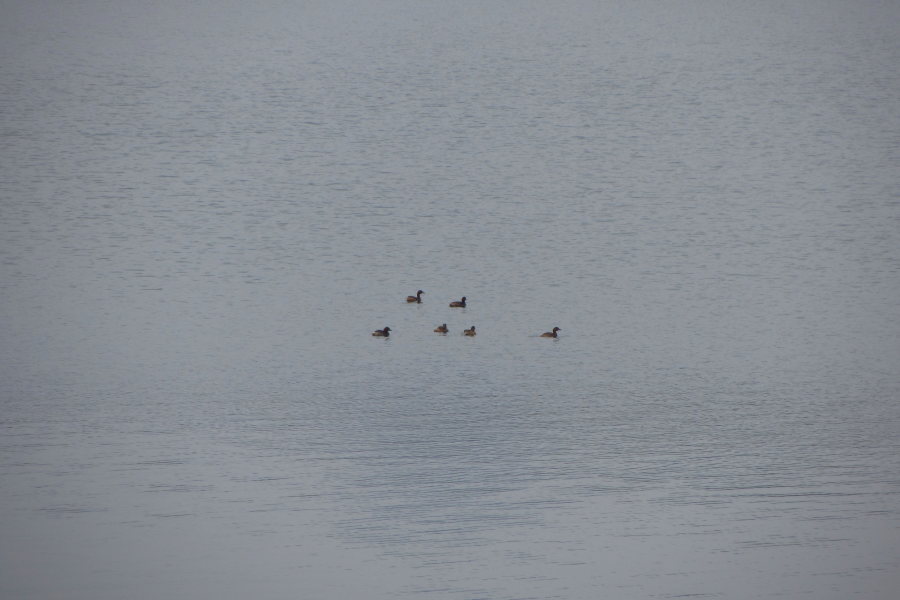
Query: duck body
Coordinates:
[441,329]
[469,332]
[552,333]
[416,298]
[382,332]
[460,304]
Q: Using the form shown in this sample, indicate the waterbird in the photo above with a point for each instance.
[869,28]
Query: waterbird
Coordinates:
[469,332]
[553,333]
[382,332]
[441,328]
[460,304]
[416,298]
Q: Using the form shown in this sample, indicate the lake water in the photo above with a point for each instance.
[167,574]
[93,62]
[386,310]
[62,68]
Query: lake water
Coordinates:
[206,208]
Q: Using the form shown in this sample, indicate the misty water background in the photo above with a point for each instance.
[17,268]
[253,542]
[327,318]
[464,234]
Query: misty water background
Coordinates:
[207,207]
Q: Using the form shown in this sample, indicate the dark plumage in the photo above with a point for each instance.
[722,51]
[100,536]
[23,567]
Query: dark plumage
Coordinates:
[469,332]
[382,332]
[416,298]
[441,328]
[460,304]
[553,334]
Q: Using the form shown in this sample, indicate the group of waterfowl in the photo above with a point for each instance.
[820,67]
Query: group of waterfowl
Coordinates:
[443,328]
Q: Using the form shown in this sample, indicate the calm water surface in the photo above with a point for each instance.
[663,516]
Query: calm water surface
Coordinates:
[206,208]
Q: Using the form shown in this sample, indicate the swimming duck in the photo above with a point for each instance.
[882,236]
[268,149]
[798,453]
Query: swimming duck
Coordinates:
[416,298]
[441,328]
[460,304]
[382,332]
[469,332]
[553,334]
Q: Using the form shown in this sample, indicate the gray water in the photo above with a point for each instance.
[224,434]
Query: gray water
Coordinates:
[206,208]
